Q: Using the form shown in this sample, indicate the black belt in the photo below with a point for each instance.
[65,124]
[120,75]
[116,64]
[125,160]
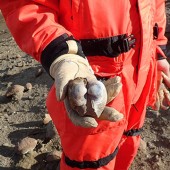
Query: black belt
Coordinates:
[91,164]
[133,132]
[110,47]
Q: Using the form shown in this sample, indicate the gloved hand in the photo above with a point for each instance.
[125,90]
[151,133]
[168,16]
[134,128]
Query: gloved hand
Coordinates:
[166,79]
[163,98]
[164,67]
[69,67]
[163,95]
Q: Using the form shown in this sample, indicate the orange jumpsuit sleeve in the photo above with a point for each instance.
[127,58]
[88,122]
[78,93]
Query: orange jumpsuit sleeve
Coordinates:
[33,24]
[160,19]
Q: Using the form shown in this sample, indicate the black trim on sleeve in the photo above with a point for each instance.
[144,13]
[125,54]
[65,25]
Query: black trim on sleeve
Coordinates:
[57,48]
[91,164]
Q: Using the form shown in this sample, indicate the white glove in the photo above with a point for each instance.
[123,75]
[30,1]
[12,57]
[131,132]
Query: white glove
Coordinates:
[69,67]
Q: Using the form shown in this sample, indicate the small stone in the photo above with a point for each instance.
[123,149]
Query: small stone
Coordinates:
[16,91]
[47,119]
[54,156]
[30,97]
[39,72]
[6,116]
[20,64]
[143,145]
[150,145]
[28,86]
[6,144]
[161,151]
[157,157]
[9,84]
[26,145]
[18,56]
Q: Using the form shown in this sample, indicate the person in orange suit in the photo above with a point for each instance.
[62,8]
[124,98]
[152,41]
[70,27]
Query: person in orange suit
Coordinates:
[95,40]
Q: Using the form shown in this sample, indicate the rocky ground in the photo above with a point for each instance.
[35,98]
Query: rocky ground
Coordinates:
[22,117]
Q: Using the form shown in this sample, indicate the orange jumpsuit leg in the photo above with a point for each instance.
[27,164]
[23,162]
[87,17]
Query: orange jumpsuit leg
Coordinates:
[86,148]
[129,144]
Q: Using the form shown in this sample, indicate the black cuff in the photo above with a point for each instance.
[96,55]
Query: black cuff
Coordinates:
[160,57]
[163,48]
[57,48]
[168,50]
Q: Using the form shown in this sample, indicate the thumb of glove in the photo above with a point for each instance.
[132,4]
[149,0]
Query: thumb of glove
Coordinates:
[113,87]
[111,114]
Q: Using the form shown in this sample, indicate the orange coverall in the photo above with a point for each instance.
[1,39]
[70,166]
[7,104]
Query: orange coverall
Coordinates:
[36,25]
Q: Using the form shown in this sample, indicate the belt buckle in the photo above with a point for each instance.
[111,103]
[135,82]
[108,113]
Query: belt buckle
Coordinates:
[128,42]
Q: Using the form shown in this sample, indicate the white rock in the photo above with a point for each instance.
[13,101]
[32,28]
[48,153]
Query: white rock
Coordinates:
[26,145]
